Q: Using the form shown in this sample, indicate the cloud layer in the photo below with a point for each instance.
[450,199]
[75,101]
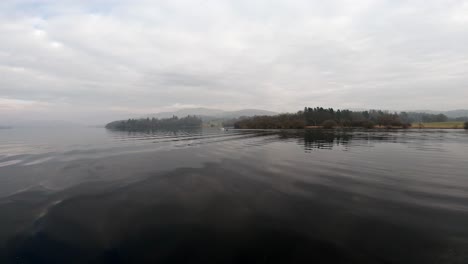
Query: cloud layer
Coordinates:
[92,62]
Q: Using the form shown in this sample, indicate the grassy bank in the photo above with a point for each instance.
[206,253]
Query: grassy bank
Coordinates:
[438,125]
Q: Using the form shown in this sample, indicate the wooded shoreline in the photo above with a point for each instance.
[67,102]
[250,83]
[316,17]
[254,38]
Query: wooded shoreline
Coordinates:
[328,118]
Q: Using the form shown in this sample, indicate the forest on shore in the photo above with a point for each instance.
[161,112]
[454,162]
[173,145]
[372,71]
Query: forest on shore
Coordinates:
[330,118]
[317,117]
[144,124]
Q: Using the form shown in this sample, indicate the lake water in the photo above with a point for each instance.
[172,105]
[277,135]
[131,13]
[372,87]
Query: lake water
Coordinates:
[89,195]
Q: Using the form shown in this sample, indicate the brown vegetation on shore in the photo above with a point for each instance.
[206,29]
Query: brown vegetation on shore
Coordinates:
[329,118]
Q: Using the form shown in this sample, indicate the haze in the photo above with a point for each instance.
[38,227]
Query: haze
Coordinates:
[95,62]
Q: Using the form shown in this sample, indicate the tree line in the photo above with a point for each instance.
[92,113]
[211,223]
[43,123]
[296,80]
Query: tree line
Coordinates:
[329,118]
[144,124]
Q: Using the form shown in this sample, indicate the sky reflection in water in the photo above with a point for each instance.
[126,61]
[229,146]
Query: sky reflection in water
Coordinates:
[206,196]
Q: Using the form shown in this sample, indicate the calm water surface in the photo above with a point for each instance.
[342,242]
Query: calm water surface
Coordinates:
[90,195]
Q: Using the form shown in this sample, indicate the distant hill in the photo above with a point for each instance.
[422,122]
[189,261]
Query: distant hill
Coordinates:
[247,112]
[449,114]
[456,113]
[210,114]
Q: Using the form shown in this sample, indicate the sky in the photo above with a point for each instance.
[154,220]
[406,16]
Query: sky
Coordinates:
[95,61]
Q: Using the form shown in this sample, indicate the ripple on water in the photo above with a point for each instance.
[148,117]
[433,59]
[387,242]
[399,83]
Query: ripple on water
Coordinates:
[361,189]
[9,163]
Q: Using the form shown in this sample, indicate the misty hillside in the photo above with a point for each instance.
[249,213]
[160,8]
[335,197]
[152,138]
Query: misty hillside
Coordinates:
[208,113]
[456,113]
[450,114]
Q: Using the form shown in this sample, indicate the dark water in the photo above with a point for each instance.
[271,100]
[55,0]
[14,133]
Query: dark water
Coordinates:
[207,196]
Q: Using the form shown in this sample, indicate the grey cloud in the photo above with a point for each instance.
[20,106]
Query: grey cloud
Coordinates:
[79,56]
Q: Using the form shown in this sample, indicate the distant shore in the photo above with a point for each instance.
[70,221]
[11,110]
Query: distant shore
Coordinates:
[440,125]
[434,125]
[319,117]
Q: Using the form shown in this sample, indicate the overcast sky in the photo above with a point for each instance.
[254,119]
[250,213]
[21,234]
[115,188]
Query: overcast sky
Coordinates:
[98,60]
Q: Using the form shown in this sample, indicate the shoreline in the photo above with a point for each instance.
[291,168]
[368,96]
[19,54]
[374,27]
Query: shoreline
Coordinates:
[383,127]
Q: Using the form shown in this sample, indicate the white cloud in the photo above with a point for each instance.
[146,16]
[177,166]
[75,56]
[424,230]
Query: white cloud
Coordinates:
[133,56]
[21,105]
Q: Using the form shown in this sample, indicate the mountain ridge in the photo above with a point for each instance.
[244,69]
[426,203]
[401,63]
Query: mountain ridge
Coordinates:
[449,113]
[211,113]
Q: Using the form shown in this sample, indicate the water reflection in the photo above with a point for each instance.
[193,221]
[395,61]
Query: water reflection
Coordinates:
[211,196]
[324,139]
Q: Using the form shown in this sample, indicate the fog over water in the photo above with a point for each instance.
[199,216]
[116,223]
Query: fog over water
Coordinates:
[239,196]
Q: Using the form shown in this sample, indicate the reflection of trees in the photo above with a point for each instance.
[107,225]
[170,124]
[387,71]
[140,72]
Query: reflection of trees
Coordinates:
[328,139]
[320,139]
